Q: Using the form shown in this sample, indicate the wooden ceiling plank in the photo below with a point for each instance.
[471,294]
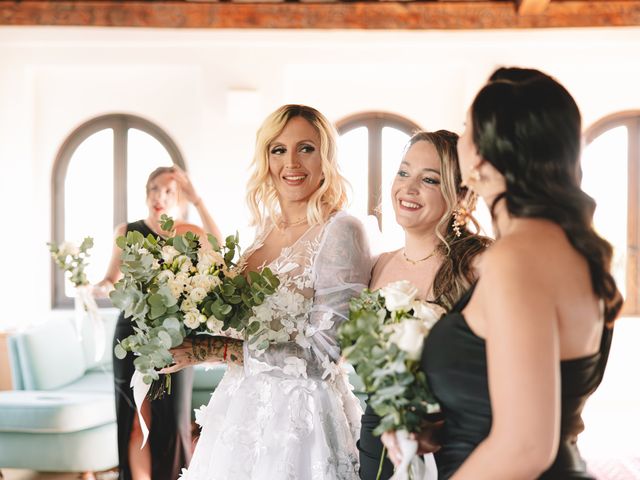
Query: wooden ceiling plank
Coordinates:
[531,7]
[353,15]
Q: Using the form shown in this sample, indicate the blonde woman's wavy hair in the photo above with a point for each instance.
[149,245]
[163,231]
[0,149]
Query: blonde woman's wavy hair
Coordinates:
[262,197]
[456,273]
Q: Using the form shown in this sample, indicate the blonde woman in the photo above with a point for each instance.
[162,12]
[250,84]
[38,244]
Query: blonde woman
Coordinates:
[289,413]
[438,260]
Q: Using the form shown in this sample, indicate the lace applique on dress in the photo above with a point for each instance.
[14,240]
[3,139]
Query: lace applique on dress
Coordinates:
[289,413]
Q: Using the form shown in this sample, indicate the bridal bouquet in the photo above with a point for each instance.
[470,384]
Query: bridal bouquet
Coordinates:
[72,259]
[178,287]
[383,340]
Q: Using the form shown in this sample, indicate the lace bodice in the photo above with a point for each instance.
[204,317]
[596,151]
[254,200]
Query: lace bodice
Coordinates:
[319,273]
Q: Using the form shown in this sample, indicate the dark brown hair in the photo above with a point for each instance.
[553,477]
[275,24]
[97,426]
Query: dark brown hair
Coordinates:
[530,132]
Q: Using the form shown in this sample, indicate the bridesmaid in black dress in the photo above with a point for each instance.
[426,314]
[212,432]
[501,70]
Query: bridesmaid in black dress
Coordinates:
[168,449]
[436,259]
[515,361]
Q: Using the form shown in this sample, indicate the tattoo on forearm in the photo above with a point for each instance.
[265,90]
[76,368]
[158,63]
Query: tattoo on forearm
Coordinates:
[221,349]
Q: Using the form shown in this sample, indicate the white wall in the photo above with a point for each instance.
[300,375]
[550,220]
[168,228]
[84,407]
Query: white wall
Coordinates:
[54,79]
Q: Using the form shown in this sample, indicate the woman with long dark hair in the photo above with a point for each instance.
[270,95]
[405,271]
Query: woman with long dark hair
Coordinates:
[514,362]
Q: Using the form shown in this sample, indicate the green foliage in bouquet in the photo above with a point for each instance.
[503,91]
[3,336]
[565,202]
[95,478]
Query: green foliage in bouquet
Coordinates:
[172,288]
[372,342]
[72,259]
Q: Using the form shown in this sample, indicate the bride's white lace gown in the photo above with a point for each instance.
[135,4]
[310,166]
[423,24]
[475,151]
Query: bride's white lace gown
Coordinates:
[289,413]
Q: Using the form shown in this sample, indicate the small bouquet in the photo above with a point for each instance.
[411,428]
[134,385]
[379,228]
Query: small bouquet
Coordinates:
[73,260]
[178,287]
[383,340]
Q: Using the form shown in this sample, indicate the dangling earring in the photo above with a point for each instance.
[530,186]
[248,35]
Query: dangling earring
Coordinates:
[464,211]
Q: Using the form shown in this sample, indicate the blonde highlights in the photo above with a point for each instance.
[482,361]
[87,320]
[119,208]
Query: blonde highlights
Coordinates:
[456,274]
[262,197]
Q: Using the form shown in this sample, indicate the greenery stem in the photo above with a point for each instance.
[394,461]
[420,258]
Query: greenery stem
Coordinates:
[384,453]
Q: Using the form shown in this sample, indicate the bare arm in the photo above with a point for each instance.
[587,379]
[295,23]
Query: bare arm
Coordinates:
[189,191]
[205,349]
[113,274]
[516,309]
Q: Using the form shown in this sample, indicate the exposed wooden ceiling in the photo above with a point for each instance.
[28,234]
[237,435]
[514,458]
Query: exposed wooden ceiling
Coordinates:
[393,15]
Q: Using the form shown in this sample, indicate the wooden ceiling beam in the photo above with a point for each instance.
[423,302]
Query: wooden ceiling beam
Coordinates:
[443,15]
[532,7]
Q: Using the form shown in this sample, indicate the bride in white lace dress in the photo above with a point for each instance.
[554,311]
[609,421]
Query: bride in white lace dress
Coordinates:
[288,412]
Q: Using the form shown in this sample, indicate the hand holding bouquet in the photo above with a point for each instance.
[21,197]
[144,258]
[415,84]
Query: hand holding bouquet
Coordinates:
[383,340]
[178,287]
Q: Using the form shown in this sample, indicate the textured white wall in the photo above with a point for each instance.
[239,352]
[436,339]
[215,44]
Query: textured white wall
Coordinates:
[54,79]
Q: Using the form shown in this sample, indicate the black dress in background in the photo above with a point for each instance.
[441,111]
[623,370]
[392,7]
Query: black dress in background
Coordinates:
[454,359]
[370,448]
[170,429]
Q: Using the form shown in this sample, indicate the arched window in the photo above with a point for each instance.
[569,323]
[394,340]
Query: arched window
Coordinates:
[99,181]
[611,175]
[370,147]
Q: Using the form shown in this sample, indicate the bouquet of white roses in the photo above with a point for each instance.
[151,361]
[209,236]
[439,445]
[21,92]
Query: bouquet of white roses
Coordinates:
[178,287]
[383,340]
[72,259]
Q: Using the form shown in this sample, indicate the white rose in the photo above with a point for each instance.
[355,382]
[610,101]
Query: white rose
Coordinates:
[192,319]
[183,278]
[428,313]
[169,253]
[409,337]
[198,294]
[214,325]
[187,305]
[399,295]
[201,281]
[210,257]
[176,287]
[143,251]
[165,276]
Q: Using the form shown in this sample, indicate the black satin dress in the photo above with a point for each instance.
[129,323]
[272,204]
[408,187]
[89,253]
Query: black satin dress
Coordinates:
[454,359]
[170,429]
[370,449]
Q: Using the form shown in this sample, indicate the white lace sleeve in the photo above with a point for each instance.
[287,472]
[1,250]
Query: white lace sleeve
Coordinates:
[341,270]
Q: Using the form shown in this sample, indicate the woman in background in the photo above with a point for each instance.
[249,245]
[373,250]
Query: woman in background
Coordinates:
[169,418]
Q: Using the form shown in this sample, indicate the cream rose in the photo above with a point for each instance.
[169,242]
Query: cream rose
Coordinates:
[428,313]
[166,276]
[192,319]
[169,253]
[399,295]
[210,257]
[214,325]
[197,294]
[409,337]
[187,305]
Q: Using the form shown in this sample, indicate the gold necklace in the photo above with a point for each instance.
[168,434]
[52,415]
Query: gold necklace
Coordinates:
[415,262]
[284,224]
